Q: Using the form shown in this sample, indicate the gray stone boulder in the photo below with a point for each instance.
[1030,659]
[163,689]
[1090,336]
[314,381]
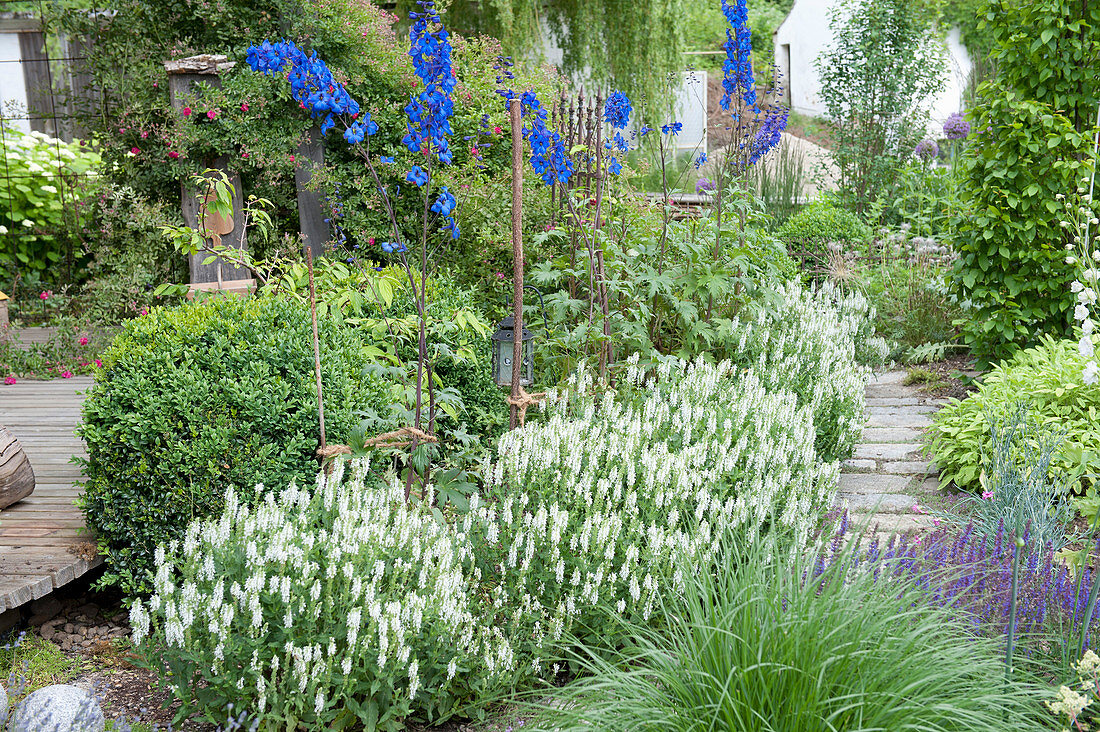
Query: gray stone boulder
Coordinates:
[3,706]
[59,708]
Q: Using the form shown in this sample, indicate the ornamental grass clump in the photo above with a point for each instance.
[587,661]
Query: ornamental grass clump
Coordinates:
[345,605]
[759,639]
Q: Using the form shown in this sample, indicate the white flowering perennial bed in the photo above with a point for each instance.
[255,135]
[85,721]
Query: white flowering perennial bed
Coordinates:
[343,605]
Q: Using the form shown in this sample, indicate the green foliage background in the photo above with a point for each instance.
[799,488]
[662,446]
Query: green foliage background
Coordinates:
[1034,125]
[884,63]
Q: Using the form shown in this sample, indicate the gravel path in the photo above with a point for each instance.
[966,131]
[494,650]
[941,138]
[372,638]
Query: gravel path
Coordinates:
[887,476]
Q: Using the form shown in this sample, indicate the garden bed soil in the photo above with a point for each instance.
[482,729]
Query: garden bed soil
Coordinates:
[951,378]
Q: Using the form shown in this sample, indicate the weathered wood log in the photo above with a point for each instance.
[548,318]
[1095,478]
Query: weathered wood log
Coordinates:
[16,475]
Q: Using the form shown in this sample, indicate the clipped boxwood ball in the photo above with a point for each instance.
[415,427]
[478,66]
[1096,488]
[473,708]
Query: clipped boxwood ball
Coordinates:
[195,398]
[821,222]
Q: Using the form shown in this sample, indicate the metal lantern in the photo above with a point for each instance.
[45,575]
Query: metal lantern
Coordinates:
[503,349]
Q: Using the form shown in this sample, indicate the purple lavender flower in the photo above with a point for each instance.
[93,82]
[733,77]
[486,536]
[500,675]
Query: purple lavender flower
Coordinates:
[705,185]
[927,149]
[956,127]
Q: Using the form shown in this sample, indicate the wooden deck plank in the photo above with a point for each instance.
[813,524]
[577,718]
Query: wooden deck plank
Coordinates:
[37,534]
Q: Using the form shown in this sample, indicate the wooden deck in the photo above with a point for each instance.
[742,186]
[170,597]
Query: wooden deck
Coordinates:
[42,536]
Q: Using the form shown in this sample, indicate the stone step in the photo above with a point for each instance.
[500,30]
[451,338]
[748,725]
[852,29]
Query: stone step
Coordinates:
[896,419]
[877,503]
[908,401]
[870,483]
[912,409]
[889,391]
[889,378]
[887,450]
[892,434]
[893,523]
[909,467]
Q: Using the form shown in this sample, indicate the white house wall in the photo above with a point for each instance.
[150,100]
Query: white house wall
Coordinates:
[13,91]
[805,35]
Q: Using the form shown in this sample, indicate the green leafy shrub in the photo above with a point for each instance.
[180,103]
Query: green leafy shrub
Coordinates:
[39,219]
[1034,122]
[199,397]
[1048,378]
[885,61]
[769,640]
[352,607]
[822,222]
[128,255]
[379,305]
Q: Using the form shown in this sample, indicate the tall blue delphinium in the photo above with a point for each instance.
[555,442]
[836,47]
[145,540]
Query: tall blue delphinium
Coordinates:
[617,111]
[429,112]
[757,120]
[737,80]
[313,87]
[428,129]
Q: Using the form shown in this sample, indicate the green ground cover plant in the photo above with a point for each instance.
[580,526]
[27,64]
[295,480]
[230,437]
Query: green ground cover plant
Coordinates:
[209,394]
[1048,378]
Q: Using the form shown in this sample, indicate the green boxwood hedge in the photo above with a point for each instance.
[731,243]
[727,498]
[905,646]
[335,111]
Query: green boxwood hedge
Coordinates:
[195,398]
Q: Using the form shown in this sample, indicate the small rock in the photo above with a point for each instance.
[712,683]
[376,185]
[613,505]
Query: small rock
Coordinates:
[70,628]
[67,644]
[62,708]
[3,705]
[43,609]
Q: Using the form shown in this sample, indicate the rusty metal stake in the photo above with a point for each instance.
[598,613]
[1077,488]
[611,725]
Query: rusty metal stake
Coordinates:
[517,256]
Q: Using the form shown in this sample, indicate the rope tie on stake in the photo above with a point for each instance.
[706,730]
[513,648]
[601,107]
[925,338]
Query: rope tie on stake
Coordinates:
[523,400]
[403,437]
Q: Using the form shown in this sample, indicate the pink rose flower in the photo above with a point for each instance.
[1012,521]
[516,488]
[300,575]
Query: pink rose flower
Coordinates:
[211,114]
[9,380]
[244,107]
[83,340]
[98,364]
[292,158]
[496,130]
[135,150]
[186,111]
[66,374]
[144,134]
[244,155]
[44,295]
[173,154]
